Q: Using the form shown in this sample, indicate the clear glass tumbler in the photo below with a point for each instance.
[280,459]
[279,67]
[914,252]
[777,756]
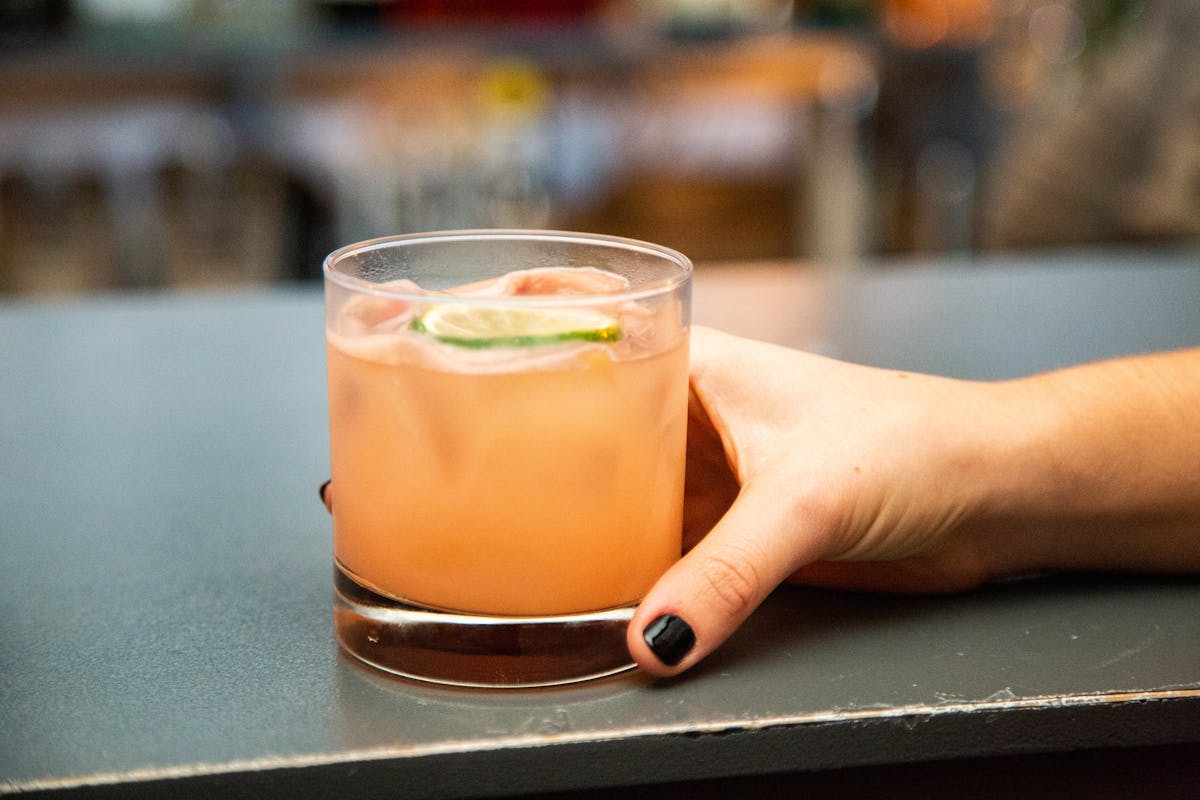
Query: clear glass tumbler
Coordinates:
[508,416]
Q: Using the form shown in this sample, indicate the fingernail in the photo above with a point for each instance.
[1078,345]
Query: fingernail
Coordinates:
[324,487]
[670,638]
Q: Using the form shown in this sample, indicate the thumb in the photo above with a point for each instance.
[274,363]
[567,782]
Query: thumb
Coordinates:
[707,594]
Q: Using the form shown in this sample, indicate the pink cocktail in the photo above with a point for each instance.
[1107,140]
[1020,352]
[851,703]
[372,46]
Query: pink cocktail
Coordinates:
[507,418]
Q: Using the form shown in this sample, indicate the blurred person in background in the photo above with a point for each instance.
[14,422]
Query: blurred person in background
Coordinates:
[1114,155]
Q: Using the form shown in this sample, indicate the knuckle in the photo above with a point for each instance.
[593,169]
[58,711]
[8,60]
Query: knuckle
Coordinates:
[733,579]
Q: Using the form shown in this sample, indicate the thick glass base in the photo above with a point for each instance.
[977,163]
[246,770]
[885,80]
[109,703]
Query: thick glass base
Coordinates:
[472,650]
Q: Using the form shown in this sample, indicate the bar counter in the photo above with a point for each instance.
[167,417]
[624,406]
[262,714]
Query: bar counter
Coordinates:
[166,578]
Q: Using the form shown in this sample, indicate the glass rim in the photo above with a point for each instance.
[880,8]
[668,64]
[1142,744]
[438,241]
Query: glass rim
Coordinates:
[655,288]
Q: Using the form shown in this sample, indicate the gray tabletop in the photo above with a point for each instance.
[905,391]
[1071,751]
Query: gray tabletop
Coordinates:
[165,579]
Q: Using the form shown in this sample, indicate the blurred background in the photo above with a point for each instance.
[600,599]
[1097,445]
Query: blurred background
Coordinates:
[149,143]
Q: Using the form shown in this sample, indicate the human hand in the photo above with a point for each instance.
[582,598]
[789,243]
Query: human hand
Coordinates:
[805,468]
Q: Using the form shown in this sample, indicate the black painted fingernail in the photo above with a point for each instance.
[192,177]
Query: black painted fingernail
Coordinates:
[324,487]
[670,638]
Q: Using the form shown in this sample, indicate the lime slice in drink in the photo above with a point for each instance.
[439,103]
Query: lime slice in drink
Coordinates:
[481,326]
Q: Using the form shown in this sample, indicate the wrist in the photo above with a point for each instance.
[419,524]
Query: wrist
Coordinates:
[1004,474]
[1087,469]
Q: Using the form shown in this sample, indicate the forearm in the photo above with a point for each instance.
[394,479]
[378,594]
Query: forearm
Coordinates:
[1098,467]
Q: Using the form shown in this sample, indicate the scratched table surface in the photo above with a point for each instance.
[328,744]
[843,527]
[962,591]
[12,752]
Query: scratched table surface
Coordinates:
[165,583]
